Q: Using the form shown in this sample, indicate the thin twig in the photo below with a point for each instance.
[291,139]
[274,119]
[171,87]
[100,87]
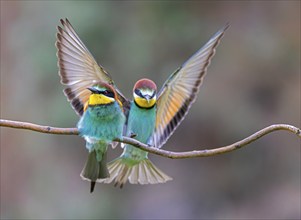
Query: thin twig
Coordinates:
[160,152]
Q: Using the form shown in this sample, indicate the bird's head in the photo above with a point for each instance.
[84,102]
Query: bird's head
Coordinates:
[145,93]
[101,94]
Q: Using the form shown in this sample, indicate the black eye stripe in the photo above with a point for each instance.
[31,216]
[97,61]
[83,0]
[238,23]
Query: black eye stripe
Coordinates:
[107,93]
[154,93]
[138,92]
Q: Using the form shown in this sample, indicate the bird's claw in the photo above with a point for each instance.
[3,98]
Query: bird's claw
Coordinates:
[132,135]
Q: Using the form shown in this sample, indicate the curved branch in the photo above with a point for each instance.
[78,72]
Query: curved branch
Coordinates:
[157,151]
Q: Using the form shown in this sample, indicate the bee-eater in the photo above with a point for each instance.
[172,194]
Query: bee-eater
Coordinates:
[134,164]
[154,121]
[101,123]
[94,97]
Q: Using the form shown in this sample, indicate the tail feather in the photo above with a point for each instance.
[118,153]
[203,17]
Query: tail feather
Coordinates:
[121,179]
[144,172]
[154,175]
[103,169]
[95,169]
[134,176]
[157,174]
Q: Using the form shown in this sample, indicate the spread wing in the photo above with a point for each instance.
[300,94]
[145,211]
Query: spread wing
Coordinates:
[78,69]
[180,90]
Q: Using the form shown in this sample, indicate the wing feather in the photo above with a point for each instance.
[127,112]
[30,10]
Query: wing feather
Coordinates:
[78,69]
[179,91]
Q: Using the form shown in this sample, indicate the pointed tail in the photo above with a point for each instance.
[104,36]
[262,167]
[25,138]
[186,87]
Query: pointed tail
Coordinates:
[143,172]
[95,169]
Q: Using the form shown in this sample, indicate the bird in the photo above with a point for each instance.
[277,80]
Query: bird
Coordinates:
[102,122]
[79,70]
[96,101]
[154,117]
[133,164]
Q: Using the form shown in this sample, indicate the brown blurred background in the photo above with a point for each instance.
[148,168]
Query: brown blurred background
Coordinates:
[252,82]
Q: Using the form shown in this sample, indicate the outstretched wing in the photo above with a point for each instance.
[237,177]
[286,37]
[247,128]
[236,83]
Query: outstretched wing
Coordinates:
[179,91]
[78,69]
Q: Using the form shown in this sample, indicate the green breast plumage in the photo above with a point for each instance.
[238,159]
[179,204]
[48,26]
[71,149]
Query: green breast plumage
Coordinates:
[102,122]
[141,122]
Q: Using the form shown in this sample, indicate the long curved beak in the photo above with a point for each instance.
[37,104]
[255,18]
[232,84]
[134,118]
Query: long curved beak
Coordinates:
[93,90]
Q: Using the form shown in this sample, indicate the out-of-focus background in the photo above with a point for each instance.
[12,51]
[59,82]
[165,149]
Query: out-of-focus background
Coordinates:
[252,82]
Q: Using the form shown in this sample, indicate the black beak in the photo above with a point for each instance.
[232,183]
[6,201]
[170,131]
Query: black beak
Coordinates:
[93,90]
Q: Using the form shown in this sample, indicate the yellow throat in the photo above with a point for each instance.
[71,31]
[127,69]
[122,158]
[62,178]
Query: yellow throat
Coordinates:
[143,102]
[100,99]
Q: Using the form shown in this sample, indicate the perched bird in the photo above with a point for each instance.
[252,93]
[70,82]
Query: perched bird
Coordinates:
[79,70]
[154,121]
[134,164]
[93,96]
[101,123]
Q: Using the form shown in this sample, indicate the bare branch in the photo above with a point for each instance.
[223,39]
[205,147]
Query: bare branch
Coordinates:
[160,152]
[38,128]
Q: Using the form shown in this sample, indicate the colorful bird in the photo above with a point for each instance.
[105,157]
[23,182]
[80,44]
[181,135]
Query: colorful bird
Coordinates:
[101,123]
[79,70]
[91,93]
[154,121]
[133,164]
